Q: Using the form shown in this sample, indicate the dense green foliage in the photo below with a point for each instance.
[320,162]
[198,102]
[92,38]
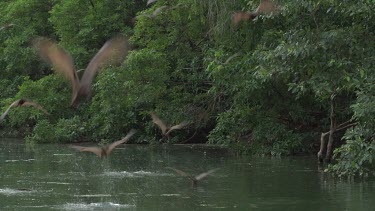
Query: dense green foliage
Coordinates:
[265,85]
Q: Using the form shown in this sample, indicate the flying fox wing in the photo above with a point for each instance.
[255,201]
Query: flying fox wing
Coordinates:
[112,52]
[177,127]
[159,122]
[63,63]
[96,150]
[205,174]
[111,146]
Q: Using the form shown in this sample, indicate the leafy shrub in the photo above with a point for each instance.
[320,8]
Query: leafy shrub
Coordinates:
[55,99]
[357,156]
[17,57]
[43,132]
[261,135]
[69,130]
[124,95]
[84,27]
[64,131]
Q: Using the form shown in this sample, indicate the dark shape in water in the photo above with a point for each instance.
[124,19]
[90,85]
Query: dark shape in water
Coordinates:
[164,128]
[106,150]
[194,179]
[22,102]
[113,52]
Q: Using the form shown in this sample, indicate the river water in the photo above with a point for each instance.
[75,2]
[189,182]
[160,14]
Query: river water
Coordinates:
[135,177]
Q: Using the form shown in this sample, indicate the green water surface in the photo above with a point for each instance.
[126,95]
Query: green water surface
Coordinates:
[134,177]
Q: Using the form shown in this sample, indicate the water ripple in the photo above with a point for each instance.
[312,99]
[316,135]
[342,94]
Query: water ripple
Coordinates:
[62,154]
[92,206]
[133,174]
[10,191]
[27,160]
[170,194]
[93,195]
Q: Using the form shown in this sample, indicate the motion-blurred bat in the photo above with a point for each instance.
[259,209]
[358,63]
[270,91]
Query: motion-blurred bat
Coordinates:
[106,150]
[113,52]
[157,11]
[194,179]
[232,57]
[265,7]
[153,14]
[7,26]
[22,102]
[164,128]
[151,1]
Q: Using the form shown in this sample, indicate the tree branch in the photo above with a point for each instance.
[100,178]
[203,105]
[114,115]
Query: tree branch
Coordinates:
[346,126]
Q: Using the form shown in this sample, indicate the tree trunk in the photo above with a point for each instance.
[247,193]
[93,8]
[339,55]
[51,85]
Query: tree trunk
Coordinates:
[332,131]
[333,128]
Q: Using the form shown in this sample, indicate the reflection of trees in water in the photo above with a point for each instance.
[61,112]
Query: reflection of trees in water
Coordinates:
[346,193]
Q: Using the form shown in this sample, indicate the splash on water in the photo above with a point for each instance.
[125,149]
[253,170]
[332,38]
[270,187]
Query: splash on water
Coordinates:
[93,195]
[11,161]
[59,183]
[94,206]
[134,174]
[10,191]
[170,194]
[62,154]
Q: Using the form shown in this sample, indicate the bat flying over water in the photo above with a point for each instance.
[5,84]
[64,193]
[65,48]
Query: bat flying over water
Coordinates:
[194,179]
[164,128]
[106,150]
[113,52]
[22,102]
[265,7]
